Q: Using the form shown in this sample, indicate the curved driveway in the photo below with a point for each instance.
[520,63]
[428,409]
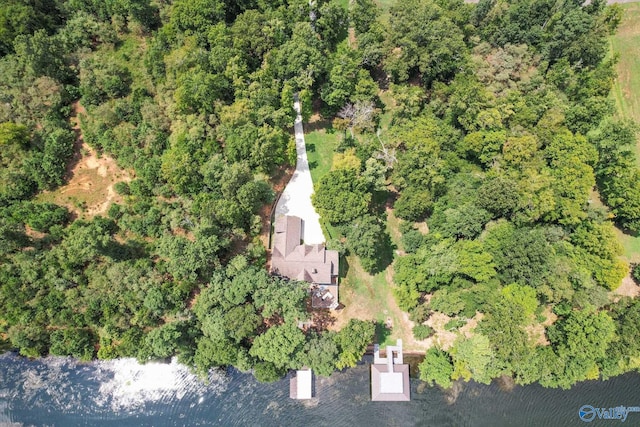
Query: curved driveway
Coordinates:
[296,197]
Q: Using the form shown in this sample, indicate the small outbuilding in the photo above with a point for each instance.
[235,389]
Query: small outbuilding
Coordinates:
[389,375]
[301,385]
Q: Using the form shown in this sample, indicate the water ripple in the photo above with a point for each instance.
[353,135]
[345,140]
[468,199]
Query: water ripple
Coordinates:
[63,392]
[126,385]
[100,390]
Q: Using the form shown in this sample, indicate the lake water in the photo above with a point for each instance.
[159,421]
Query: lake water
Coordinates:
[63,392]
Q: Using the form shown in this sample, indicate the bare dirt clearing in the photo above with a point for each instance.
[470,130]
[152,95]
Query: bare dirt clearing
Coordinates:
[90,179]
[537,331]
[444,338]
[628,288]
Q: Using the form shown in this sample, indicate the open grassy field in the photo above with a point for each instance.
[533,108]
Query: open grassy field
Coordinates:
[321,145]
[626,92]
[626,43]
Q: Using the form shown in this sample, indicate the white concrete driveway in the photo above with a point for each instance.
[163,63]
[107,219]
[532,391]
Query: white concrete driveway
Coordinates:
[296,197]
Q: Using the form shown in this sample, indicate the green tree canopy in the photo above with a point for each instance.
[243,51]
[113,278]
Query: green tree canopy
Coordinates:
[436,368]
[341,196]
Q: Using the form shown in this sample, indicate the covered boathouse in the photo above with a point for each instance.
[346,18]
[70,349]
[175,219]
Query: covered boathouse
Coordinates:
[301,385]
[389,375]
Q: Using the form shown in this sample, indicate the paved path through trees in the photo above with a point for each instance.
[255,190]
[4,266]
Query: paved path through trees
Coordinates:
[296,197]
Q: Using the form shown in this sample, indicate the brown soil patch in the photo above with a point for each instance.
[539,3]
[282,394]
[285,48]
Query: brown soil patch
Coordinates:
[353,42]
[422,227]
[537,332]
[551,317]
[90,179]
[317,121]
[444,339]
[409,340]
[355,308]
[628,288]
[468,329]
[33,233]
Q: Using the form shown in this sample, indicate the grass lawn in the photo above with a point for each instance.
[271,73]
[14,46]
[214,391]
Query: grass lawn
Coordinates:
[385,4]
[631,246]
[370,297]
[626,92]
[626,42]
[321,145]
[365,296]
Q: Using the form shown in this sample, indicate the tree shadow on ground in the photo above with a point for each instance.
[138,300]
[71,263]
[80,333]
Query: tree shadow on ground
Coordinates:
[385,249]
[383,332]
[381,200]
[319,125]
[344,268]
[322,319]
[130,250]
[311,147]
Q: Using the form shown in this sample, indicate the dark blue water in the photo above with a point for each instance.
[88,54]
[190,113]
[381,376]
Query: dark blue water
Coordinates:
[63,392]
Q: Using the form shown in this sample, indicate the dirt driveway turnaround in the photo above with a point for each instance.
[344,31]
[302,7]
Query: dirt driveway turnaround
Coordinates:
[296,197]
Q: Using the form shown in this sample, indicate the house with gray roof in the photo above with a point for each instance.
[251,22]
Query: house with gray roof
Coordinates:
[294,259]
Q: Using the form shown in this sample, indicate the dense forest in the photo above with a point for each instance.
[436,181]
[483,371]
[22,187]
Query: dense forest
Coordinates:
[501,134]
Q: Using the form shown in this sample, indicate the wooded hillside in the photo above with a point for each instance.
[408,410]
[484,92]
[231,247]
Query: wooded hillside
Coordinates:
[498,133]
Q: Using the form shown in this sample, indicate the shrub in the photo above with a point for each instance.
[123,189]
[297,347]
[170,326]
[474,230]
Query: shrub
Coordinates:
[454,324]
[419,314]
[421,332]
[635,272]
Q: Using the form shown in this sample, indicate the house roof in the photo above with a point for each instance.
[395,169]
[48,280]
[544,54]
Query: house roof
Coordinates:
[287,235]
[300,386]
[295,260]
[390,386]
[389,376]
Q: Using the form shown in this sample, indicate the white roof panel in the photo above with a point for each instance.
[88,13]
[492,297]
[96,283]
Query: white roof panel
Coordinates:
[391,382]
[304,384]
